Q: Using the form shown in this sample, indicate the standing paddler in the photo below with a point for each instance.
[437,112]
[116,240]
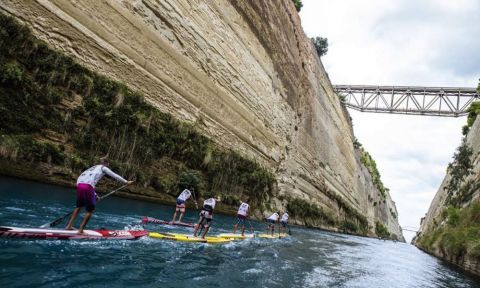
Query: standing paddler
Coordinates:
[206,216]
[271,220]
[242,215]
[86,195]
[284,222]
[180,207]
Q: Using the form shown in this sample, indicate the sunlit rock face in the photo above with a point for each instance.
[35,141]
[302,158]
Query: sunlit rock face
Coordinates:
[244,71]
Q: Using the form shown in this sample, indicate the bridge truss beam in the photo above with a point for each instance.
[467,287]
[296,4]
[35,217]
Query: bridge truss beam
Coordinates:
[433,101]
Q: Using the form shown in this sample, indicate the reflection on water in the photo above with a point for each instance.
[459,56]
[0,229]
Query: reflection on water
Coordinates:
[310,258]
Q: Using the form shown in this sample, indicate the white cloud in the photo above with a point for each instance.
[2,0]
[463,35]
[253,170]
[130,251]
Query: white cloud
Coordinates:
[402,42]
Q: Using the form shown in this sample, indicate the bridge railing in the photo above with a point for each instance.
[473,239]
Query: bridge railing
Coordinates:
[435,101]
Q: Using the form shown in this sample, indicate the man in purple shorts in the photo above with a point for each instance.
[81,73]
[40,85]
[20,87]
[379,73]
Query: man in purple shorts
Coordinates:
[86,195]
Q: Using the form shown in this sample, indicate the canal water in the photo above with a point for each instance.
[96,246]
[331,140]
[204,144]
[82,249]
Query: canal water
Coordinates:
[309,258]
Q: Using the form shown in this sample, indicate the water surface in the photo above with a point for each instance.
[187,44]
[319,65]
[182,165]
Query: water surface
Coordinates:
[310,258]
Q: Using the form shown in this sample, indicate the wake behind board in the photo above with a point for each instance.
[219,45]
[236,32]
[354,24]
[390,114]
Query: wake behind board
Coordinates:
[163,222]
[236,236]
[274,236]
[62,234]
[188,238]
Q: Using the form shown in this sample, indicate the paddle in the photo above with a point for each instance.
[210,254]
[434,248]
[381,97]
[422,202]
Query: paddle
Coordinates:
[59,220]
[251,228]
[194,198]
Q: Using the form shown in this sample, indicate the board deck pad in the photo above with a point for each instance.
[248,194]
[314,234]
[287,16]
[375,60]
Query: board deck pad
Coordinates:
[236,236]
[188,238]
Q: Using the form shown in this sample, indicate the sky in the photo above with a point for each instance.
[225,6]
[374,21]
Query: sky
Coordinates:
[403,43]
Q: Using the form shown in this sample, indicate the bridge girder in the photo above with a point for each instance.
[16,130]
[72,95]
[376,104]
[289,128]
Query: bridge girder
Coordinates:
[415,100]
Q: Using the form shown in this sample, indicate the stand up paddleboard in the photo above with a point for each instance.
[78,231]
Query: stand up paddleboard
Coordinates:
[274,236]
[162,222]
[188,238]
[236,236]
[62,234]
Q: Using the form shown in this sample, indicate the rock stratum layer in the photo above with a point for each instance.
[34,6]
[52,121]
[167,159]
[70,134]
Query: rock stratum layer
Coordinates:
[243,70]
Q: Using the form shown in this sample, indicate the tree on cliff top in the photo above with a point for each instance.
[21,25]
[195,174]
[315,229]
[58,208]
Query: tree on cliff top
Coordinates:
[298,4]
[321,45]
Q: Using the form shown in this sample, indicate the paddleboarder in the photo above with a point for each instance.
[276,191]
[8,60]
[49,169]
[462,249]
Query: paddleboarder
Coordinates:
[86,195]
[206,216]
[271,220]
[284,221]
[182,198]
[242,215]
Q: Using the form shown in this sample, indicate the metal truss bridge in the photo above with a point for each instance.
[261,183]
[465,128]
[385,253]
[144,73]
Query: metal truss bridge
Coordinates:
[433,101]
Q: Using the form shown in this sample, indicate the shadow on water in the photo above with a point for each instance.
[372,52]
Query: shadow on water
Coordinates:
[311,258]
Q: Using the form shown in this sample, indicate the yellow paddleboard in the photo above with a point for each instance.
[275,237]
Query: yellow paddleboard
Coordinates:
[275,236]
[236,236]
[188,238]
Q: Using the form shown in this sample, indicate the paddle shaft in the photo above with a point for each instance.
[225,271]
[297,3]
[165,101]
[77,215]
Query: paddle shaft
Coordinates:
[251,228]
[59,220]
[194,198]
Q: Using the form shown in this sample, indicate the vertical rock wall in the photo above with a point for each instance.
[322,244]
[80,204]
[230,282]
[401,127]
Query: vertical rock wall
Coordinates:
[435,219]
[244,71]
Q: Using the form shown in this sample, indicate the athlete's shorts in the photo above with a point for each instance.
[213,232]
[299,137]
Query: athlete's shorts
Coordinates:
[205,218]
[284,224]
[241,219]
[86,197]
[180,205]
[270,221]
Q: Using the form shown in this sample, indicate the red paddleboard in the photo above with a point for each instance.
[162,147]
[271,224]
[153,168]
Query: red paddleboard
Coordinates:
[162,222]
[62,234]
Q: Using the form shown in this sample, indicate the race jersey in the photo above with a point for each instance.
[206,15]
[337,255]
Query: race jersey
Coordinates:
[243,210]
[285,217]
[184,195]
[210,202]
[274,216]
[93,174]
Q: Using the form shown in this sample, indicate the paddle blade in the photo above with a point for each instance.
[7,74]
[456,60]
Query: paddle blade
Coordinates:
[56,221]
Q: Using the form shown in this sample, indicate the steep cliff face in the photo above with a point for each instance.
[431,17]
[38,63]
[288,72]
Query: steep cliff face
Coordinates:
[450,230]
[245,73]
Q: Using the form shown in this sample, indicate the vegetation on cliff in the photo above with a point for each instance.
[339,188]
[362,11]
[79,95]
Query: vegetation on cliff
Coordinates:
[371,166]
[458,234]
[321,46]
[459,189]
[473,111]
[56,112]
[298,4]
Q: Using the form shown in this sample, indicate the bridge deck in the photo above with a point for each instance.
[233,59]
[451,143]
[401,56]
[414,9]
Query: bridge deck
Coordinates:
[416,100]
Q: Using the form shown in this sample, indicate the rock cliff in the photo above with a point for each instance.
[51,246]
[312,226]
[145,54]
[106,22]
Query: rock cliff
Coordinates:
[450,229]
[245,74]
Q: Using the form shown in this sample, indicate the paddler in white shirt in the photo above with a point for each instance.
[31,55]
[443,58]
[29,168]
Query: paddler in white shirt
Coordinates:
[206,216]
[272,220]
[182,198]
[86,195]
[284,222]
[242,215]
